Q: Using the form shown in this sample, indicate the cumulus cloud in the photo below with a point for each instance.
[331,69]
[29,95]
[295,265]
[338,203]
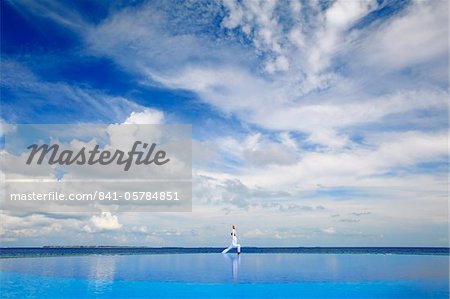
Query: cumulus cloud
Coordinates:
[103,222]
[148,116]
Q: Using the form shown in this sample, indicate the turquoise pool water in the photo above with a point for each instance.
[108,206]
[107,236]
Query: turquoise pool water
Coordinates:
[258,275]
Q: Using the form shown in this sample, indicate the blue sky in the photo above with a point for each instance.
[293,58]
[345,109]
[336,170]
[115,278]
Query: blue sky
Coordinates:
[314,123]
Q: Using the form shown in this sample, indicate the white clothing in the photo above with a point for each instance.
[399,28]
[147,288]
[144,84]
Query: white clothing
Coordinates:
[238,246]
[234,243]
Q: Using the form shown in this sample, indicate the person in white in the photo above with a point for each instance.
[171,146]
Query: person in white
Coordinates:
[234,242]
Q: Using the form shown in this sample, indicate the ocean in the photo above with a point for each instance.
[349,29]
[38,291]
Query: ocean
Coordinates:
[130,272]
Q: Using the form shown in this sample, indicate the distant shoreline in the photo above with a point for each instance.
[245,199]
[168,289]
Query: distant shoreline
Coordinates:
[208,247]
[53,251]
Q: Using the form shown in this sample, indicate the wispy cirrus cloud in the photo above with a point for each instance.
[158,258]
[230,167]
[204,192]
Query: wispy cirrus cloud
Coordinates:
[62,102]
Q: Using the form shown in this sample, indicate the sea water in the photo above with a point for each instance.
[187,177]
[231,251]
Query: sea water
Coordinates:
[334,274]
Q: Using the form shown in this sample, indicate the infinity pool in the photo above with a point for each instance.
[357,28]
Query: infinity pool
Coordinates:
[215,275]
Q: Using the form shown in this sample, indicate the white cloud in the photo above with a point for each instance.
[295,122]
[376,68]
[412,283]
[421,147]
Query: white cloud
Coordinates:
[418,35]
[258,20]
[84,103]
[34,226]
[255,233]
[353,166]
[330,230]
[278,64]
[329,138]
[148,116]
[5,127]
[342,13]
[258,150]
[56,11]
[104,221]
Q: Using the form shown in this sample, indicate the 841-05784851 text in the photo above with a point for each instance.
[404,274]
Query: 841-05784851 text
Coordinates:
[139,195]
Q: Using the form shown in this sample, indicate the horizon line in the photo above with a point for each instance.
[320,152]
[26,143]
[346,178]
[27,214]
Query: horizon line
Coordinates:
[205,247]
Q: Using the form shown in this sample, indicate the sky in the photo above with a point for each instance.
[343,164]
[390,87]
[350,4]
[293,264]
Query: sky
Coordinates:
[314,123]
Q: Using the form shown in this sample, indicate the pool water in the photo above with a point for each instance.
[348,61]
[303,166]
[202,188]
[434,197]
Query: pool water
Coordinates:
[228,276]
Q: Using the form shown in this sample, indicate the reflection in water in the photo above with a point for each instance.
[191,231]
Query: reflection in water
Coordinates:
[215,268]
[235,262]
[101,273]
[332,266]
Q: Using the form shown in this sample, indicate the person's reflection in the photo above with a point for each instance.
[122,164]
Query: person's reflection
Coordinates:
[235,262]
[102,272]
